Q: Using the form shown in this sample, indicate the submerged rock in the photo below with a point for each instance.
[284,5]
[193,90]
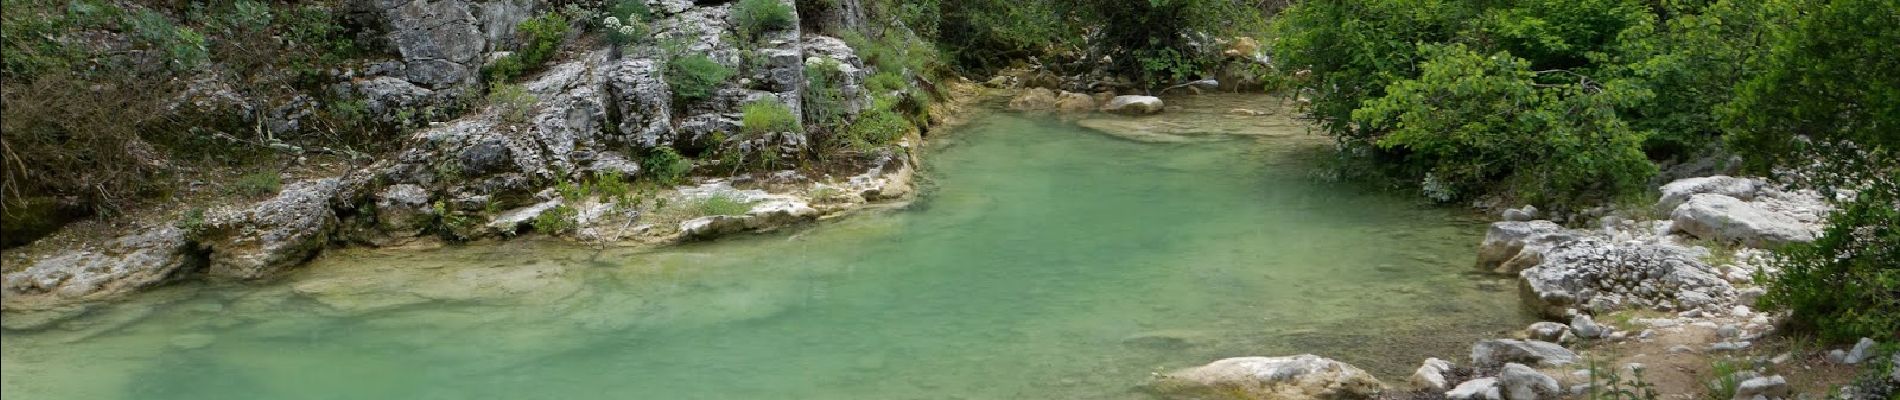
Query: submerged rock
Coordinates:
[1134,105]
[1301,377]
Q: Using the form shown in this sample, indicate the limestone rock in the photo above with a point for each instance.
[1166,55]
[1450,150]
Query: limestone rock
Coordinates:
[1546,331]
[1860,352]
[1520,382]
[1035,99]
[1495,352]
[1134,105]
[1504,247]
[1604,276]
[1678,192]
[1430,376]
[1587,328]
[403,209]
[266,238]
[1718,217]
[1476,389]
[1069,102]
[143,259]
[1300,377]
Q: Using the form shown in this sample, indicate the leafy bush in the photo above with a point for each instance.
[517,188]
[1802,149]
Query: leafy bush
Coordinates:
[559,219]
[1846,284]
[768,116]
[665,165]
[1469,120]
[512,102]
[541,38]
[693,77]
[755,17]
[877,127]
[824,101]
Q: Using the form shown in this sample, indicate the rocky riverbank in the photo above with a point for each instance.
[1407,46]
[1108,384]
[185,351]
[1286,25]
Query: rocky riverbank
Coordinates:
[551,167]
[1660,308]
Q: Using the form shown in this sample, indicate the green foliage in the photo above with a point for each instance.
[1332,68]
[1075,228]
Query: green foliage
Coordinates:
[557,220]
[1833,76]
[694,77]
[879,126]
[824,102]
[722,204]
[541,39]
[184,46]
[1609,384]
[192,222]
[1725,382]
[665,165]
[755,17]
[512,102]
[452,224]
[258,184]
[1469,120]
[1846,284]
[768,116]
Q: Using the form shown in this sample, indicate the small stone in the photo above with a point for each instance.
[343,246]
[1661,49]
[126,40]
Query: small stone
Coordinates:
[1727,331]
[1740,311]
[1728,346]
[1781,358]
[1546,331]
[1680,349]
[1520,382]
[1690,314]
[1430,376]
[1586,328]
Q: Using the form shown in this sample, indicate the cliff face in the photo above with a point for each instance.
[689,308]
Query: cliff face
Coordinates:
[572,152]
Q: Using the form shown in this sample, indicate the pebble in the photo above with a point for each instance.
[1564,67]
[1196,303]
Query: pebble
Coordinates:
[1681,348]
[1729,346]
[1741,311]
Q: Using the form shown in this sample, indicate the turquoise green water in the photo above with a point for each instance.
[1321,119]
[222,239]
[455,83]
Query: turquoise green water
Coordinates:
[1044,261]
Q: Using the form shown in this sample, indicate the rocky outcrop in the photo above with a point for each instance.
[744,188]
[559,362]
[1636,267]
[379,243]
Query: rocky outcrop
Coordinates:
[1678,192]
[1301,377]
[1134,105]
[264,239]
[1503,249]
[1034,99]
[143,259]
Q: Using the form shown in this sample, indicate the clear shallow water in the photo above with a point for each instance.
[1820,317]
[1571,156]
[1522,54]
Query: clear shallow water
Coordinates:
[1045,262]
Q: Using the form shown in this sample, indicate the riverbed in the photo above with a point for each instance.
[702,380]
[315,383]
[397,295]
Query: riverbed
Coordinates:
[1043,260]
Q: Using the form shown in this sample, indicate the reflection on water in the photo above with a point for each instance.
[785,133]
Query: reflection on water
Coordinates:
[1047,262]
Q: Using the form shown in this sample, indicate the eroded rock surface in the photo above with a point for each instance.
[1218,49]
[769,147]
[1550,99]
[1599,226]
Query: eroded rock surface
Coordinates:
[1298,377]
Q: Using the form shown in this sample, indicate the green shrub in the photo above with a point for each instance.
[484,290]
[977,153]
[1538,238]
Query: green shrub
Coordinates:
[541,38]
[694,77]
[879,126]
[755,17]
[512,103]
[824,101]
[557,220]
[722,204]
[768,116]
[184,46]
[1844,285]
[258,183]
[665,165]
[1470,120]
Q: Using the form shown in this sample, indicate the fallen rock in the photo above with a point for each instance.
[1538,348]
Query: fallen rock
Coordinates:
[1476,389]
[1527,213]
[1861,350]
[1496,352]
[1430,376]
[1520,382]
[1298,377]
[1724,218]
[1586,328]
[1546,331]
[1134,105]
[1772,387]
